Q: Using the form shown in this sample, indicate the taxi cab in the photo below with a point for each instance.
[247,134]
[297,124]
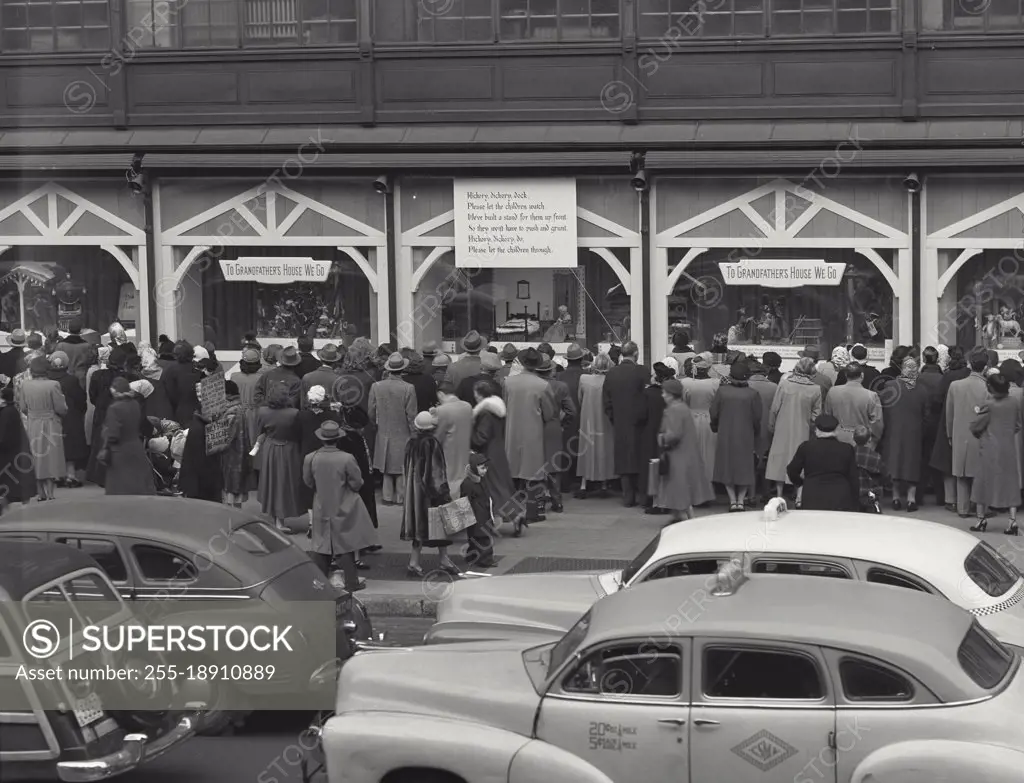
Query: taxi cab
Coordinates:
[59,728]
[764,682]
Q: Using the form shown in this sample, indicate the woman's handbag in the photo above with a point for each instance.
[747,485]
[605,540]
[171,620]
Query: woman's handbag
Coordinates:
[456,516]
[663,464]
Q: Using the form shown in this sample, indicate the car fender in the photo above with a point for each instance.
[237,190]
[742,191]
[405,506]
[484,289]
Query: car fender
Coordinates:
[941,761]
[362,747]
[540,761]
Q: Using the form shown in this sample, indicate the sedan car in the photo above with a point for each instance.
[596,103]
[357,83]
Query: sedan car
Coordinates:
[896,551]
[768,682]
[159,548]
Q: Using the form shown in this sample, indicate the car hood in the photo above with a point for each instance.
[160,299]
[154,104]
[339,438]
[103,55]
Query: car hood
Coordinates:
[510,605]
[484,682]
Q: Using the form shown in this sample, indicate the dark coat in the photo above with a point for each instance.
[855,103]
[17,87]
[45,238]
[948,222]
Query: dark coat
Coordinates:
[322,376]
[354,443]
[904,418]
[571,378]
[827,469]
[180,381]
[649,420]
[288,377]
[307,363]
[73,422]
[309,421]
[158,404]
[465,390]
[736,416]
[942,452]
[201,477]
[78,350]
[129,471]
[622,394]
[426,390]
[930,380]
[426,487]
[12,362]
[100,397]
[869,375]
[556,459]
[17,475]
[488,438]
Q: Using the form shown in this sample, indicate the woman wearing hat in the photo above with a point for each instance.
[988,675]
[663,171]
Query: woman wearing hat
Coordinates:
[596,447]
[905,405]
[996,425]
[797,404]
[488,439]
[686,484]
[652,408]
[426,488]
[76,450]
[825,469]
[128,470]
[309,421]
[201,477]
[248,375]
[699,393]
[180,381]
[392,409]
[158,404]
[43,405]
[341,525]
[736,418]
[279,458]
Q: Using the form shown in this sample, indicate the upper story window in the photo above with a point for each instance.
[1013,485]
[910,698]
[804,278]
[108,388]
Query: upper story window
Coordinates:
[973,16]
[681,19]
[488,21]
[216,23]
[54,26]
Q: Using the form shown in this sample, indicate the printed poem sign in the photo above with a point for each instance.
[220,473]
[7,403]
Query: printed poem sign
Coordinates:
[774,273]
[525,223]
[213,402]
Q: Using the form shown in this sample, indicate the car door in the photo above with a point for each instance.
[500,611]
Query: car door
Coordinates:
[108,553]
[761,712]
[623,708]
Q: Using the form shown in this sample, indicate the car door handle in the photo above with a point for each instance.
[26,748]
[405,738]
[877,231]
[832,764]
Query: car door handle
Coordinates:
[672,721]
[706,722]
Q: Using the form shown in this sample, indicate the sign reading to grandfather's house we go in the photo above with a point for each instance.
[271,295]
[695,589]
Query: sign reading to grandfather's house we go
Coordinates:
[515,223]
[776,273]
[275,271]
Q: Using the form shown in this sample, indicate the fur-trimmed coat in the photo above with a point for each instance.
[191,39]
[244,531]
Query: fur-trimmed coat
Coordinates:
[488,438]
[426,487]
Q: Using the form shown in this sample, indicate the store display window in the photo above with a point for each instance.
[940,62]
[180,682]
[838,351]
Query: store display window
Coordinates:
[988,308]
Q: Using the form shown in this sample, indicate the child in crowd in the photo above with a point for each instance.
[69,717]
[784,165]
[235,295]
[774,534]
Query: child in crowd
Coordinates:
[871,469]
[479,537]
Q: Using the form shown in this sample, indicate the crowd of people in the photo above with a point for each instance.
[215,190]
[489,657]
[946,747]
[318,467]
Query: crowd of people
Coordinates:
[515,432]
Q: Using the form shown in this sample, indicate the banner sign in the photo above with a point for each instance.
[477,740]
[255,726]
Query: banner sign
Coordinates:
[515,223]
[275,271]
[774,273]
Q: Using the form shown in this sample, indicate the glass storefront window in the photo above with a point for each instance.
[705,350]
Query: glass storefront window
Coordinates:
[986,304]
[972,16]
[857,307]
[586,304]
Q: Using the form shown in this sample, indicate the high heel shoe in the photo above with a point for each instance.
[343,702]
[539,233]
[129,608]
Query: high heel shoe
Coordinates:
[980,527]
[1012,529]
[896,504]
[911,505]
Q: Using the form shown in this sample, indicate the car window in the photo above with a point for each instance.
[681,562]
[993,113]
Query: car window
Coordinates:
[985,660]
[866,681]
[697,567]
[569,643]
[103,551]
[259,538]
[800,568]
[731,673]
[92,597]
[162,565]
[630,670]
[990,571]
[640,560]
[883,576]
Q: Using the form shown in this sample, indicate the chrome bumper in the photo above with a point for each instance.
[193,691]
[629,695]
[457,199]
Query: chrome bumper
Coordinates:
[135,750]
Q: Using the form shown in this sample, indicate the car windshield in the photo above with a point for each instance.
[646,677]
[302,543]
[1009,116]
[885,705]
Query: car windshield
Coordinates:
[985,660]
[990,571]
[569,643]
[640,560]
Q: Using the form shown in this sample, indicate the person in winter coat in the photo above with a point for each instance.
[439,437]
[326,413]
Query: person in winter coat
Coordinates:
[353,421]
[469,363]
[340,524]
[324,375]
[531,405]
[392,409]
[490,363]
[245,379]
[685,484]
[871,469]
[201,475]
[426,487]
[44,406]
[765,389]
[736,419]
[488,439]
[128,470]
[17,469]
[570,434]
[453,431]
[596,445]
[997,483]
[158,404]
[649,420]
[479,537]
[621,395]
[235,462]
[76,450]
[963,397]
[423,383]
[941,459]
[1012,370]
[797,404]
[318,409]
[100,383]
[180,381]
[826,470]
[279,458]
[905,412]
[77,349]
[555,456]
[698,393]
[285,375]
[855,406]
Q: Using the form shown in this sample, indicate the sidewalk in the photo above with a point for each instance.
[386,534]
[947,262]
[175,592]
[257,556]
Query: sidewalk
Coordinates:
[591,535]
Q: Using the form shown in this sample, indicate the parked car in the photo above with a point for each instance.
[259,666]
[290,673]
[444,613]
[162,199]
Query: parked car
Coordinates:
[85,740]
[897,551]
[769,682]
[159,548]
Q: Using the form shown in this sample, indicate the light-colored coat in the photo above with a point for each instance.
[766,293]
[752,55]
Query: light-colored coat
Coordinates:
[341,523]
[454,428]
[996,427]
[43,403]
[392,408]
[964,396]
[687,482]
[466,367]
[797,403]
[530,405]
[766,389]
[596,447]
[699,394]
[854,406]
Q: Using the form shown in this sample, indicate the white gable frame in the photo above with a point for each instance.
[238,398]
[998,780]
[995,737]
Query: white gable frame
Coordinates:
[273,232]
[777,232]
[410,279]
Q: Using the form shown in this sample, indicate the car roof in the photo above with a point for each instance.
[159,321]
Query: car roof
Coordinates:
[27,565]
[911,630]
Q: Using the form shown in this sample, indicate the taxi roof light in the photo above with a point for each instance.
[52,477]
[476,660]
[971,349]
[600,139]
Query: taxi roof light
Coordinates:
[775,508]
[729,578]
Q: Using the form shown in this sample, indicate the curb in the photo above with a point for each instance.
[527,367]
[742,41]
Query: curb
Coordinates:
[385,605]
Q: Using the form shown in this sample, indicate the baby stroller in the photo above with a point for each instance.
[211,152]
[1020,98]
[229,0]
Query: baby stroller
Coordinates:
[164,450]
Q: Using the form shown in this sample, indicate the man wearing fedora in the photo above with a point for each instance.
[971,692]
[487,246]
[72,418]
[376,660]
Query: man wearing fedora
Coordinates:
[285,373]
[326,374]
[429,351]
[392,408]
[11,360]
[307,361]
[508,357]
[571,378]
[489,366]
[341,525]
[469,364]
[418,374]
[531,405]
[623,396]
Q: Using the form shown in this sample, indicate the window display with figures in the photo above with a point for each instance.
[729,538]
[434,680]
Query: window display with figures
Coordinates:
[994,313]
[839,299]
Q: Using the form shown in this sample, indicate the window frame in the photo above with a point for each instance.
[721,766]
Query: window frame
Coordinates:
[58,583]
[56,538]
[644,574]
[857,660]
[54,28]
[842,564]
[809,652]
[949,28]
[923,695]
[682,646]
[190,559]
[865,567]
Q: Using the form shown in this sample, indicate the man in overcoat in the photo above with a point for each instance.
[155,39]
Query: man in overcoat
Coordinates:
[285,374]
[454,427]
[508,355]
[392,409]
[964,397]
[325,375]
[623,396]
[489,366]
[469,364]
[531,405]
[555,456]
[854,406]
[571,431]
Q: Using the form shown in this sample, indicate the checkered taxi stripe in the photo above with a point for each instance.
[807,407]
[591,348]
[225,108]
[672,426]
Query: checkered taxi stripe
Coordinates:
[996,608]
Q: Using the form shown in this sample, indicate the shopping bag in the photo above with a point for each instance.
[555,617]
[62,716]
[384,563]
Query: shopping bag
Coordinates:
[653,475]
[435,526]
[457,516]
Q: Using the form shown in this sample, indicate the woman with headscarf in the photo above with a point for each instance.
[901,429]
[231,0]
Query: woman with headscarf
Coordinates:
[143,391]
[825,469]
[488,439]
[652,408]
[796,405]
[699,394]
[684,483]
[942,451]
[128,470]
[235,462]
[904,409]
[76,450]
[279,458]
[834,367]
[736,418]
[100,397]
[596,462]
[426,488]
[998,483]
[201,477]
[43,406]
[17,469]
[943,361]
[158,404]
